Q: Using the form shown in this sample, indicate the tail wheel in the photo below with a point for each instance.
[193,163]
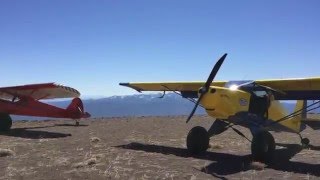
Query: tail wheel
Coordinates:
[5,122]
[197,140]
[263,146]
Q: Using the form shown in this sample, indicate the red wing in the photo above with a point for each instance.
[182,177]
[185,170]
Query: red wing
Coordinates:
[38,91]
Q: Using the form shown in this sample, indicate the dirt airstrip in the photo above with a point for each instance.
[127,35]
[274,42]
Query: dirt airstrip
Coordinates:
[144,148]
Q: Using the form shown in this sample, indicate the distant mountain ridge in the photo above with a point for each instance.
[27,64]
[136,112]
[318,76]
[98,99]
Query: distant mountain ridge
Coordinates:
[131,105]
[139,105]
[136,105]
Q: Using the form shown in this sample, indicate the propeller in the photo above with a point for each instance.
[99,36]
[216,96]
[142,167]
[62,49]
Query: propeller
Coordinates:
[204,89]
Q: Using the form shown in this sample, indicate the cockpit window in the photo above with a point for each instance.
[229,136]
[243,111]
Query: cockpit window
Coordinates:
[248,86]
[260,93]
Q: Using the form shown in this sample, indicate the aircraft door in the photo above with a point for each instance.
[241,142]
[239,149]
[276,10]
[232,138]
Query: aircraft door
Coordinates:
[260,103]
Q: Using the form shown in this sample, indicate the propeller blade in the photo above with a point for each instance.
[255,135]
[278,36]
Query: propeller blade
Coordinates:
[195,108]
[206,86]
[214,71]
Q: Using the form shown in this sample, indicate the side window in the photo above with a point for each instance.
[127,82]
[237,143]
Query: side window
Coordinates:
[260,93]
[259,103]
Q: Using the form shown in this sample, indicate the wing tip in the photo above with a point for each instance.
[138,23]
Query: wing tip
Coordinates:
[130,86]
[124,84]
[70,89]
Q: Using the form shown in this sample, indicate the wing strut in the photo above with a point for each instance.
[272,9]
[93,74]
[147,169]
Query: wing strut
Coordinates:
[164,93]
[189,99]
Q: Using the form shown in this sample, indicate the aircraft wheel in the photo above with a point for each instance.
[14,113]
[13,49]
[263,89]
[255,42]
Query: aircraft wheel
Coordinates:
[5,122]
[77,123]
[305,142]
[197,140]
[263,146]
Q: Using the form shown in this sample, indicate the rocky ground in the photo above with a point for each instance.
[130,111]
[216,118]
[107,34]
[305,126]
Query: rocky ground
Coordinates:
[144,148]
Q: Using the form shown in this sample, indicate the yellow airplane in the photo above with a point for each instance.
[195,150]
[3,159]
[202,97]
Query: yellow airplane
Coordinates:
[252,104]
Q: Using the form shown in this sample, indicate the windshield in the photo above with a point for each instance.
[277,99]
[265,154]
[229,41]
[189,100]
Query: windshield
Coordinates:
[237,83]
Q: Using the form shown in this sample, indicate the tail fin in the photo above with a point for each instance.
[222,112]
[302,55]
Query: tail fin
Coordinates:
[301,107]
[301,115]
[76,109]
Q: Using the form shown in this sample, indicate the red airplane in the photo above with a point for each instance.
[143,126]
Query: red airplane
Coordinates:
[24,100]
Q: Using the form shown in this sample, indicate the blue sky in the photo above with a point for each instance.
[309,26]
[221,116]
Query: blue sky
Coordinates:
[93,45]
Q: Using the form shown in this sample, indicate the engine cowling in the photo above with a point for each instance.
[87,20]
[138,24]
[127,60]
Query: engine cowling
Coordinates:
[221,102]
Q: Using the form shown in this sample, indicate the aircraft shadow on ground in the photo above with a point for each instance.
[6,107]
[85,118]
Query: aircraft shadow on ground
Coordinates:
[227,164]
[29,133]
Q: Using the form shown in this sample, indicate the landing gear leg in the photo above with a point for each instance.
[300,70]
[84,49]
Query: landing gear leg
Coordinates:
[218,127]
[197,140]
[263,146]
[77,123]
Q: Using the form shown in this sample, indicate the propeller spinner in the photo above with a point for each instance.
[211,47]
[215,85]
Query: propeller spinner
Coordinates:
[204,89]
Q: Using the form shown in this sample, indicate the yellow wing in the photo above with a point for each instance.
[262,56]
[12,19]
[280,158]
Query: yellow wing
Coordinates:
[297,84]
[170,86]
[295,89]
